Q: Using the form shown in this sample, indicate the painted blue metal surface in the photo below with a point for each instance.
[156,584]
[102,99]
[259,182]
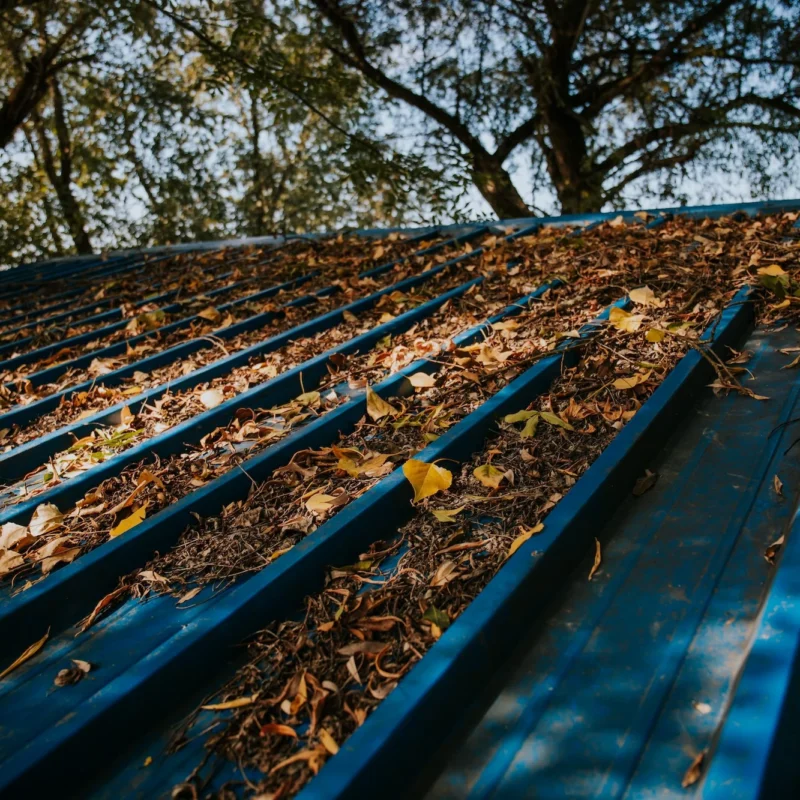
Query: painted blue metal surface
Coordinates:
[272,591]
[429,698]
[545,685]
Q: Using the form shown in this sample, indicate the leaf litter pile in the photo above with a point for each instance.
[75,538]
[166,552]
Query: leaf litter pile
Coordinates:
[338,260]
[312,681]
[145,488]
[173,408]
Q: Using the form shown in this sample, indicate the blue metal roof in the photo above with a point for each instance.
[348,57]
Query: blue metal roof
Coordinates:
[681,649]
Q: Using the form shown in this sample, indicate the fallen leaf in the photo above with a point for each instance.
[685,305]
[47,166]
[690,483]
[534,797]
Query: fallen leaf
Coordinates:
[136,516]
[655,335]
[446,572]
[426,479]
[239,702]
[598,558]
[772,551]
[421,380]
[774,270]
[632,381]
[370,648]
[276,729]
[489,476]
[777,485]
[520,416]
[523,537]
[320,504]
[308,398]
[792,364]
[9,561]
[29,653]
[377,407]
[447,514]
[314,757]
[554,419]
[328,742]
[45,519]
[625,321]
[190,595]
[437,617]
[210,313]
[645,296]
[645,483]
[126,416]
[15,537]
[692,775]
[211,398]
[62,557]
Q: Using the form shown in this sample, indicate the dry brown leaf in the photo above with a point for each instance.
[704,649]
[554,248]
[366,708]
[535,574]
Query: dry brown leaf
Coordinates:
[29,653]
[598,558]
[421,380]
[645,483]
[772,551]
[777,485]
[211,398]
[276,729]
[10,561]
[45,519]
[692,775]
[15,537]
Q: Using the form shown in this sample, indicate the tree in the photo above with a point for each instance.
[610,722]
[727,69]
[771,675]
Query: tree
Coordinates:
[602,95]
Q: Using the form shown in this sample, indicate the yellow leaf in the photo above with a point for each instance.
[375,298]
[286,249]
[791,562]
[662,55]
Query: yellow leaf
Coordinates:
[421,380]
[523,537]
[377,407]
[554,419]
[447,514]
[132,521]
[598,558]
[489,476]
[308,398]
[773,270]
[654,335]
[644,296]
[529,429]
[349,466]
[624,321]
[29,653]
[633,380]
[239,702]
[426,479]
[328,742]
[126,416]
[520,416]
[320,504]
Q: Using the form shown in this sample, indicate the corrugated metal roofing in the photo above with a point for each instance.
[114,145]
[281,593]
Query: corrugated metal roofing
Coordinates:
[678,650]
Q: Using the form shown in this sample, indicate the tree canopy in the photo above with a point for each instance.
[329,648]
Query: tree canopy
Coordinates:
[134,122]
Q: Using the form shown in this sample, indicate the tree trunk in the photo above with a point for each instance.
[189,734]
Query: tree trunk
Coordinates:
[495,184]
[61,180]
[50,217]
[578,187]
